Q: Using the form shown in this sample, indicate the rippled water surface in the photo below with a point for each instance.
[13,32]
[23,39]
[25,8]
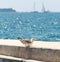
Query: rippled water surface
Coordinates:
[42,26]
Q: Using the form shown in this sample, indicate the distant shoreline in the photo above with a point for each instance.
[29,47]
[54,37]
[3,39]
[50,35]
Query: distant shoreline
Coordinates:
[7,10]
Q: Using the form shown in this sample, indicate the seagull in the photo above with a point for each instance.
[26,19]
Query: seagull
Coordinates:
[27,43]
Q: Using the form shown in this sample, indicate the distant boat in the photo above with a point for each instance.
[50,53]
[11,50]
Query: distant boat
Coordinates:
[34,7]
[35,12]
[44,10]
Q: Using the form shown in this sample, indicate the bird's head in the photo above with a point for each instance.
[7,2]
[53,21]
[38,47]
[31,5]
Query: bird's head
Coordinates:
[33,39]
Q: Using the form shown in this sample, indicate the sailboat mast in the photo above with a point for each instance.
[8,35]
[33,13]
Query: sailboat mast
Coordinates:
[43,8]
[34,5]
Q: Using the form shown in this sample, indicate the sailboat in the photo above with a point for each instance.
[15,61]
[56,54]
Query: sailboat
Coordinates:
[44,10]
[34,7]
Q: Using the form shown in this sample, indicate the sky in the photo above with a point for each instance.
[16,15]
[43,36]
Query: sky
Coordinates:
[28,5]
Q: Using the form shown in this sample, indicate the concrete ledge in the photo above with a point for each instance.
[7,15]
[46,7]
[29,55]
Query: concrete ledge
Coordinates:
[35,52]
[31,53]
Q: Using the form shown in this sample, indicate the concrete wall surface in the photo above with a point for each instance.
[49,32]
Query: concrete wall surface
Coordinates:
[41,54]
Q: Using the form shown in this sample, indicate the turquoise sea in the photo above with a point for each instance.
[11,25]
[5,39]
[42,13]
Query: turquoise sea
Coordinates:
[42,26]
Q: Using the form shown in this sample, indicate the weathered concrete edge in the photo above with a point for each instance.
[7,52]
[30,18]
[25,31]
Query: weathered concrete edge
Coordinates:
[41,54]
